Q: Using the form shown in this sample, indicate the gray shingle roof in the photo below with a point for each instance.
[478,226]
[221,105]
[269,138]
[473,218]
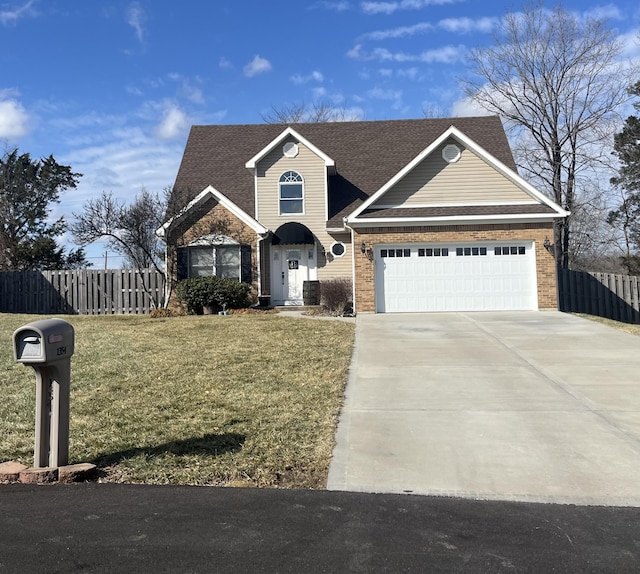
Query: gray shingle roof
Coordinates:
[367,155]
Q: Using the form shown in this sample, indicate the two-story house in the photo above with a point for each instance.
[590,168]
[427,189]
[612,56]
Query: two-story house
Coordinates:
[421,215]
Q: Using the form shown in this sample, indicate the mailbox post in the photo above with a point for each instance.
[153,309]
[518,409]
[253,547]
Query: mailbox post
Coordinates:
[47,346]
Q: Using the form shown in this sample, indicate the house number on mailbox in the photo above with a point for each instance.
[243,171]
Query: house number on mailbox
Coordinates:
[293,264]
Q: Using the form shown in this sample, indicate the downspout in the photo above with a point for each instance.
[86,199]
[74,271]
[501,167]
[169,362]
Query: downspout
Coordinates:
[161,232]
[167,278]
[353,265]
[261,238]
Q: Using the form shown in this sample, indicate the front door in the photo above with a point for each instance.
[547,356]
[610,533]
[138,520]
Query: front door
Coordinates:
[291,266]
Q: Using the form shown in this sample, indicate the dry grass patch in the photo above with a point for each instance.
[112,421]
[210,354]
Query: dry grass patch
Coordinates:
[626,327]
[242,399]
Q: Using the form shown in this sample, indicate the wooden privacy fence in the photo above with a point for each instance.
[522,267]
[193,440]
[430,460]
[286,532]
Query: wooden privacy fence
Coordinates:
[80,292]
[606,295]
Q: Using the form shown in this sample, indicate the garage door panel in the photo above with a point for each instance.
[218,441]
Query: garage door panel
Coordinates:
[450,277]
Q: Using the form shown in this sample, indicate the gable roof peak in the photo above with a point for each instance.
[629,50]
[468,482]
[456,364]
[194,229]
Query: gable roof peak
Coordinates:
[288,132]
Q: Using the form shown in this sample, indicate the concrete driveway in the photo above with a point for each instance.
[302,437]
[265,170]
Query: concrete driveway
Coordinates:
[528,406]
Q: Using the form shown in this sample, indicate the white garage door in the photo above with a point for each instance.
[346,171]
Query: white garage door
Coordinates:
[455,277]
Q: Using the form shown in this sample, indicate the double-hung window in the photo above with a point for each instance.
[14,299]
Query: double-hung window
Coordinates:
[220,260]
[291,187]
[220,256]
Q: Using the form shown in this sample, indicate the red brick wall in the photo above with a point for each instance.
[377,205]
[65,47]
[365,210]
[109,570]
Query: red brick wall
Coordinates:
[212,218]
[537,232]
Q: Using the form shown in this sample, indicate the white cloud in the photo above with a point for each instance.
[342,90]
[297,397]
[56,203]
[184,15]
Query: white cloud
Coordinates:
[133,90]
[135,19]
[455,25]
[314,76]
[411,73]
[338,5]
[391,7]
[14,119]
[630,45]
[258,65]
[465,107]
[399,32]
[188,88]
[174,124]
[319,93]
[388,95]
[224,63]
[445,55]
[380,94]
[12,15]
[466,25]
[124,163]
[604,13]
[193,93]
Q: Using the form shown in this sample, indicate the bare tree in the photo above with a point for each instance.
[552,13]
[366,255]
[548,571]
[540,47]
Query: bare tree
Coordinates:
[129,229]
[431,111]
[558,83]
[317,112]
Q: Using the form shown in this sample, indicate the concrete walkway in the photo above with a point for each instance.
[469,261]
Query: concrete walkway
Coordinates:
[524,406]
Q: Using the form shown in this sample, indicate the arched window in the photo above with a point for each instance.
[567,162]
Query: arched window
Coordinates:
[291,193]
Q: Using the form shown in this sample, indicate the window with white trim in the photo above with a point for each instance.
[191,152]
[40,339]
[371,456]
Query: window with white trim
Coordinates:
[219,255]
[220,260]
[291,188]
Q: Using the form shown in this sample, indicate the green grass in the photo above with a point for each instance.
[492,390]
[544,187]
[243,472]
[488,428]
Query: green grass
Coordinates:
[238,400]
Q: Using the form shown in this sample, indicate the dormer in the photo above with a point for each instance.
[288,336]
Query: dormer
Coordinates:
[291,179]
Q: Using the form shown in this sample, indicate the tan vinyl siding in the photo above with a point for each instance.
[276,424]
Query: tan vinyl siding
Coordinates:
[313,170]
[470,180]
[339,266]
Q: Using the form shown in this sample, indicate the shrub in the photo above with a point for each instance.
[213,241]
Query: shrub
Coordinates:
[232,294]
[336,296]
[215,292]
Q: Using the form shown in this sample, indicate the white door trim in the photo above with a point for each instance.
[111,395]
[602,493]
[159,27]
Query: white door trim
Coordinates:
[291,266]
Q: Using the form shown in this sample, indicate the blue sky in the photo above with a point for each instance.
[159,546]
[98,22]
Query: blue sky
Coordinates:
[112,87]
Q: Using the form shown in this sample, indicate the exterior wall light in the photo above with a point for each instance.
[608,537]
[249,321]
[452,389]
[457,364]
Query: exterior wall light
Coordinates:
[363,248]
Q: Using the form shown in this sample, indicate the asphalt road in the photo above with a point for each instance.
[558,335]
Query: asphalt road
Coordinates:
[135,528]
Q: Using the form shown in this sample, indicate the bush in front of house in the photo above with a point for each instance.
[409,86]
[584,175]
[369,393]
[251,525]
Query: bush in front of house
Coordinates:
[218,293]
[336,296]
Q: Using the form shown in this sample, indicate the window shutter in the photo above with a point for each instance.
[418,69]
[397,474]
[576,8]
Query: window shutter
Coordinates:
[246,271]
[182,271]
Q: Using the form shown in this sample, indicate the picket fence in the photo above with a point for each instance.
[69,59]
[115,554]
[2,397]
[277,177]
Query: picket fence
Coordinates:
[606,295]
[80,292]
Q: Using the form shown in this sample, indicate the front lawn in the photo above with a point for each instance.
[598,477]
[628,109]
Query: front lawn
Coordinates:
[238,400]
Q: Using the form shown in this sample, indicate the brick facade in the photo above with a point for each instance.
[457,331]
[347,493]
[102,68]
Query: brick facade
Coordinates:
[537,232]
[214,219]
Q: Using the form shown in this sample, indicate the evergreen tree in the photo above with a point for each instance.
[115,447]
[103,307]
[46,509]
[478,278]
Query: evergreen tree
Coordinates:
[627,216]
[28,190]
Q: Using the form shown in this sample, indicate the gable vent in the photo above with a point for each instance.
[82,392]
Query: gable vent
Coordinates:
[290,149]
[451,153]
